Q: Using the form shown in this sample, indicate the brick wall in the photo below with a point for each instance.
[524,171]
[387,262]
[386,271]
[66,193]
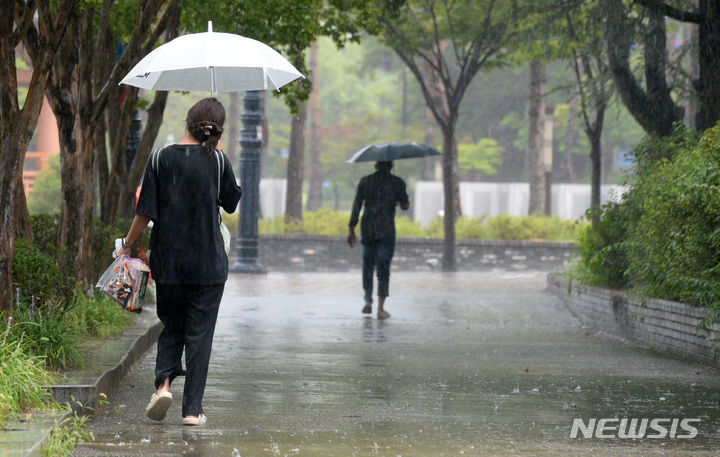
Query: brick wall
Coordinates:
[331,253]
[661,325]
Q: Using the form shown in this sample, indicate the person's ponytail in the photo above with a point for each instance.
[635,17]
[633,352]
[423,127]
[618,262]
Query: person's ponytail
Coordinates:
[205,123]
[208,133]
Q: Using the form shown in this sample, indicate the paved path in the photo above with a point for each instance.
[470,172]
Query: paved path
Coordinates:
[470,364]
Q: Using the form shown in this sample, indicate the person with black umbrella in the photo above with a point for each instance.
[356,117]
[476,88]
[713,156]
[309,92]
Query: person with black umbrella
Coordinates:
[379,193]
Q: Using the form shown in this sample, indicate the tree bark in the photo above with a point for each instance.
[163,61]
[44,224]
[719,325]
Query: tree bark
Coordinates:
[22,217]
[653,108]
[452,197]
[16,124]
[232,138]
[565,168]
[709,60]
[427,170]
[295,168]
[594,133]
[316,172]
[535,138]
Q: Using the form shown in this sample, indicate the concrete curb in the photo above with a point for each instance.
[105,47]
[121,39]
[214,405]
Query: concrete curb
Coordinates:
[89,394]
[664,326]
[82,396]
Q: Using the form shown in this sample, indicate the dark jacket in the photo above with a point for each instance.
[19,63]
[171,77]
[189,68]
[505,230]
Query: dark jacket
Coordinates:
[380,192]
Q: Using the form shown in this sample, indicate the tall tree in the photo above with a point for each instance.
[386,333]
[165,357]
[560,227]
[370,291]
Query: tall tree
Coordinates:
[536,115]
[316,172]
[453,40]
[78,97]
[18,123]
[594,83]
[118,190]
[706,14]
[296,169]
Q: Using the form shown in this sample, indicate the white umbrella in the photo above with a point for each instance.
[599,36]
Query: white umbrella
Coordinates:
[213,62]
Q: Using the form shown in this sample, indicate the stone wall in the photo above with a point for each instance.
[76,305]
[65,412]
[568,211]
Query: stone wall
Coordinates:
[661,325]
[331,253]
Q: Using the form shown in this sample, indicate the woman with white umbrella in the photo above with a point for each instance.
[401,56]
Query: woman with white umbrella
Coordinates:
[183,186]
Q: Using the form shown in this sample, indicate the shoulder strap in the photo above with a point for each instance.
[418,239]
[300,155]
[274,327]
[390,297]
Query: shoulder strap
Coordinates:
[220,168]
[155,159]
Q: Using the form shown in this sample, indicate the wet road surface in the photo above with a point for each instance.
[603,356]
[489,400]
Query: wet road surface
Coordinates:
[471,364]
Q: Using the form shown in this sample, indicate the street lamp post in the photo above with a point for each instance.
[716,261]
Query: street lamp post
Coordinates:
[247,243]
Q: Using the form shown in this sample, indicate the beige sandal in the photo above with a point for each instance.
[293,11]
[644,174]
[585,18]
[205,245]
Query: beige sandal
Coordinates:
[200,420]
[158,406]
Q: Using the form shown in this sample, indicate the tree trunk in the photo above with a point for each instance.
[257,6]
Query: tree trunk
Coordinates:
[316,172]
[17,125]
[594,133]
[451,203]
[295,168]
[691,38]
[535,138]
[653,109]
[427,170]
[565,168]
[22,217]
[709,59]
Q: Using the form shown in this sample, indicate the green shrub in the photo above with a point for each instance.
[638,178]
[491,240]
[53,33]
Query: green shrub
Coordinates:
[98,316]
[271,225]
[328,222]
[603,248]
[405,227]
[48,335]
[39,278]
[674,247]
[472,228]
[22,378]
[325,222]
[663,241]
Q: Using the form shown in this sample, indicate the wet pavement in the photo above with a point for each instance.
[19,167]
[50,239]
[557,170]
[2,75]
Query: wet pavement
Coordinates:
[472,364]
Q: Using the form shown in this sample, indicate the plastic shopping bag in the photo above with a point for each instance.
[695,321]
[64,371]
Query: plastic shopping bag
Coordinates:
[125,282]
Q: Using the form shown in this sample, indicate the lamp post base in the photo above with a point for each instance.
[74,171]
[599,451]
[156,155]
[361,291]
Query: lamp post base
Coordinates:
[250,266]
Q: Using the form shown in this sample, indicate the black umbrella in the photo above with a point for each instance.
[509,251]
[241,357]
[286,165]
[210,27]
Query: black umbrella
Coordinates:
[386,152]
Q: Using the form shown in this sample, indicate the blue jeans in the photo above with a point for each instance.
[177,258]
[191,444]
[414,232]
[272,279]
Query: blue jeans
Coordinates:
[377,255]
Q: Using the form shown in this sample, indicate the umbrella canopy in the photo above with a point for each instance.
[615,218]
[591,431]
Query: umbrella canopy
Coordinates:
[213,62]
[386,152]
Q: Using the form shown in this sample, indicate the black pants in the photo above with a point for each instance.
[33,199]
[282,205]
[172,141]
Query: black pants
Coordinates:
[377,255]
[189,313]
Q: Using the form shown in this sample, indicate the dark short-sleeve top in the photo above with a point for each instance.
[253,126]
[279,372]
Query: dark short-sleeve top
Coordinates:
[180,195]
[380,192]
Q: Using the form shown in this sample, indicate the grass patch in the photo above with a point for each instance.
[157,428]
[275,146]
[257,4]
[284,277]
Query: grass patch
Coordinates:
[22,378]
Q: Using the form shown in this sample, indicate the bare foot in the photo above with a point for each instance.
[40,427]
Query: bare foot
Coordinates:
[383,315]
[367,309]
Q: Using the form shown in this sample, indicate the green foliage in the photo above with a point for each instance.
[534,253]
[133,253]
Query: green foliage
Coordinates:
[502,227]
[22,379]
[603,248]
[481,156]
[664,239]
[325,222]
[46,195]
[41,282]
[406,227]
[48,335]
[97,316]
[675,243]
[66,435]
[51,310]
